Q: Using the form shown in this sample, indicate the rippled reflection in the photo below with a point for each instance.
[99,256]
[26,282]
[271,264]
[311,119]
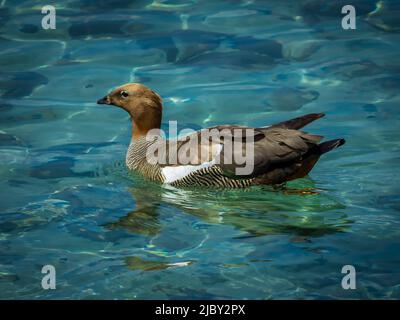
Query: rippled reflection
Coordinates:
[256,211]
[66,199]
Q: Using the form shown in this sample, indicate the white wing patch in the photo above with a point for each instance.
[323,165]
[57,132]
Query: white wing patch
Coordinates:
[174,173]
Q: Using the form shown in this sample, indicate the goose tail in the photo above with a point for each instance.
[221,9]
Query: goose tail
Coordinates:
[330,145]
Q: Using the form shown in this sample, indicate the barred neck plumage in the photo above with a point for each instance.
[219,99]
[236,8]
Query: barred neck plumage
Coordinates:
[136,159]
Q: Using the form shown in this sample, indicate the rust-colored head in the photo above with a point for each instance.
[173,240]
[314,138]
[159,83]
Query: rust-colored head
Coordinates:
[142,103]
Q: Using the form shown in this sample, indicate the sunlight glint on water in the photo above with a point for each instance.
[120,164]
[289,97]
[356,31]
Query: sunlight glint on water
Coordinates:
[67,200]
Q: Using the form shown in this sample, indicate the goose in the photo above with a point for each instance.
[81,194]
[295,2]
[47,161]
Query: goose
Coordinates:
[277,153]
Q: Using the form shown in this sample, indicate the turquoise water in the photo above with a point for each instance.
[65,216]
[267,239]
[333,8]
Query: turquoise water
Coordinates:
[68,201]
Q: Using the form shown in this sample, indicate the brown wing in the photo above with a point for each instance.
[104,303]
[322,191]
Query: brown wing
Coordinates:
[278,147]
[297,123]
[204,145]
[234,147]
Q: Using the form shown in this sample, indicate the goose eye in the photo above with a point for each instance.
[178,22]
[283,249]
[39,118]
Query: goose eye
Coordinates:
[124,94]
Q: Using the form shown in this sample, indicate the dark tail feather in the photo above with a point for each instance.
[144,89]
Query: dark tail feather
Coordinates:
[330,145]
[312,157]
[299,122]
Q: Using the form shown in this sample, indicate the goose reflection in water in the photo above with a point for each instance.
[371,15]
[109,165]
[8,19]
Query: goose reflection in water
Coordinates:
[301,210]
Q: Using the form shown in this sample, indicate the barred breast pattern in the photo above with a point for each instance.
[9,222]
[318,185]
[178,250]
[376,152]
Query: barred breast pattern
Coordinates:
[211,177]
[207,177]
[136,160]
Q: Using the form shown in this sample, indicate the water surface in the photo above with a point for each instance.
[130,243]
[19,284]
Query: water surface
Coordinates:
[68,201]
